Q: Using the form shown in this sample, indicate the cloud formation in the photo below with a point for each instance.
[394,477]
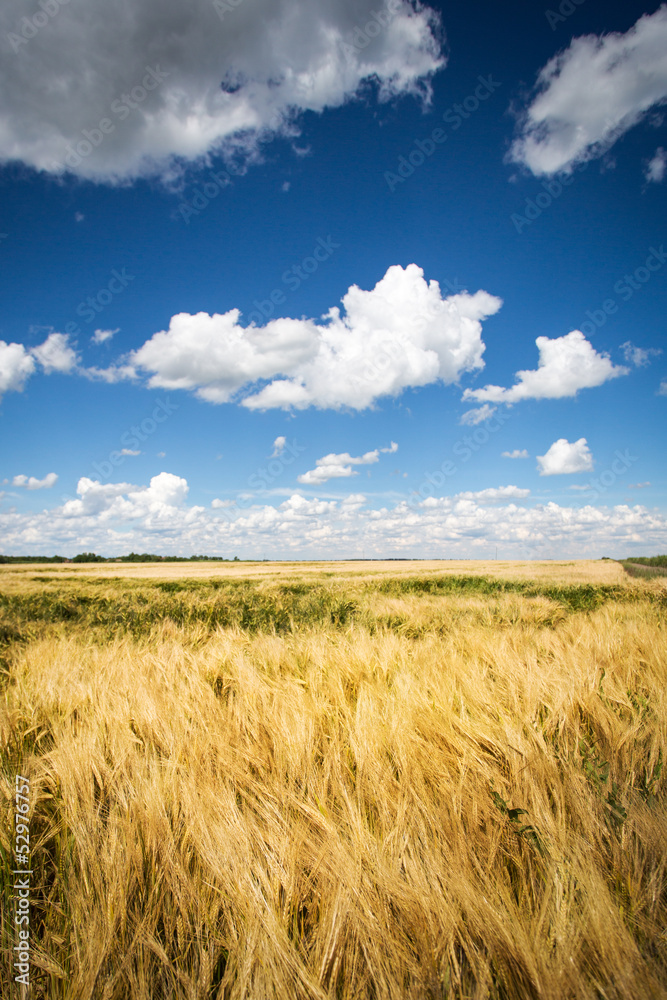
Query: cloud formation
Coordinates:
[31,483]
[193,79]
[55,354]
[101,336]
[473,417]
[400,334]
[279,446]
[340,466]
[17,363]
[639,356]
[593,92]
[566,365]
[564,458]
[656,166]
[517,453]
[16,366]
[116,518]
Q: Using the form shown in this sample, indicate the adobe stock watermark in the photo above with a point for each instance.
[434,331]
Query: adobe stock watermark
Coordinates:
[454,117]
[205,193]
[224,7]
[130,442]
[534,207]
[292,278]
[464,449]
[625,288]
[90,308]
[122,108]
[622,463]
[31,26]
[553,188]
[565,10]
[361,37]
[261,479]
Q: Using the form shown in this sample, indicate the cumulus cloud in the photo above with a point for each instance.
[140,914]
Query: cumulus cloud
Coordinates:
[662,391]
[638,486]
[17,363]
[55,354]
[590,94]
[340,466]
[517,453]
[101,336]
[655,168]
[566,365]
[31,483]
[400,334]
[563,458]
[639,356]
[193,80]
[154,504]
[117,518]
[16,366]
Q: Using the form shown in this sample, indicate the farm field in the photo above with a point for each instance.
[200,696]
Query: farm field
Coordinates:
[337,780]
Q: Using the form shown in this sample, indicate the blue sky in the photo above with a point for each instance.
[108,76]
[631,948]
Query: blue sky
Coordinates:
[347,279]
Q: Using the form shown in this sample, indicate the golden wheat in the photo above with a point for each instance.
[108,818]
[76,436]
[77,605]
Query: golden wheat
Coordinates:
[453,796]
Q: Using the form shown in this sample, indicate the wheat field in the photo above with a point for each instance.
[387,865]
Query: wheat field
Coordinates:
[354,781]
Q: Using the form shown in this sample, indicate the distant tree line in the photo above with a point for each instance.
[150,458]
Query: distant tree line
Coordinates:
[134,557]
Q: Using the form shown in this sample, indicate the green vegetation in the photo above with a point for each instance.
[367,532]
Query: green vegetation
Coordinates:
[118,606]
[645,568]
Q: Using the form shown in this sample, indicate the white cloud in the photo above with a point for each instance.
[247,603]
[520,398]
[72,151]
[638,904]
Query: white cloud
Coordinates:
[340,466]
[55,354]
[592,93]
[662,391]
[31,483]
[109,501]
[278,446]
[190,82]
[566,365]
[656,166]
[128,451]
[79,216]
[639,356]
[100,336]
[16,366]
[400,334]
[473,417]
[517,453]
[495,494]
[116,518]
[638,486]
[17,363]
[563,458]
[112,374]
